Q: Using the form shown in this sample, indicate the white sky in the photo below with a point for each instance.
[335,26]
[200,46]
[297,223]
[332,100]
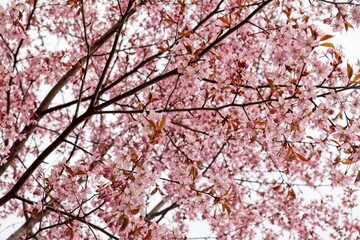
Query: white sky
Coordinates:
[351,43]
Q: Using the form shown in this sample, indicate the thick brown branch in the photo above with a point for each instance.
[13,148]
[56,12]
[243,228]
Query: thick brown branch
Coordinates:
[20,182]
[136,89]
[18,145]
[26,228]
[233,29]
[80,219]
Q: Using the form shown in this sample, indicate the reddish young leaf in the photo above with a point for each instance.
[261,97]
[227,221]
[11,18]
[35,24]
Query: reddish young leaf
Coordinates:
[300,157]
[330,45]
[348,25]
[224,20]
[162,122]
[189,48]
[291,194]
[152,123]
[289,154]
[69,232]
[226,207]
[350,71]
[135,211]
[357,179]
[148,235]
[277,188]
[169,19]
[271,83]
[326,37]
[348,161]
[356,78]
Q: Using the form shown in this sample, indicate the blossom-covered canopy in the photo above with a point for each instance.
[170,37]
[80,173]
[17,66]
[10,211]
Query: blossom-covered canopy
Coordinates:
[132,119]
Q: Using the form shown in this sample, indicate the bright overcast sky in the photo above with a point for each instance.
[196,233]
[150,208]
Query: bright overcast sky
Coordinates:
[351,43]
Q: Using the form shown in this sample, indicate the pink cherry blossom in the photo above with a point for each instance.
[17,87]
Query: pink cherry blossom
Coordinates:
[135,119]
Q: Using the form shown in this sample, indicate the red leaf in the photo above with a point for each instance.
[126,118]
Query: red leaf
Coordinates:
[135,211]
[162,123]
[271,83]
[151,122]
[348,25]
[148,235]
[154,191]
[226,207]
[69,170]
[224,20]
[350,71]
[289,154]
[291,194]
[301,158]
[277,188]
[325,37]
[327,45]
[357,179]
[189,48]
[169,19]
[123,221]
[80,172]
[347,161]
[356,78]
[69,232]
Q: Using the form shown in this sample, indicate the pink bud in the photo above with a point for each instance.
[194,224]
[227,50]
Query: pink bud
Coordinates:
[37,192]
[330,50]
[145,139]
[250,124]
[327,21]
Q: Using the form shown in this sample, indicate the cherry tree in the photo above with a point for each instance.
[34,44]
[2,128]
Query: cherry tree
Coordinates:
[148,115]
